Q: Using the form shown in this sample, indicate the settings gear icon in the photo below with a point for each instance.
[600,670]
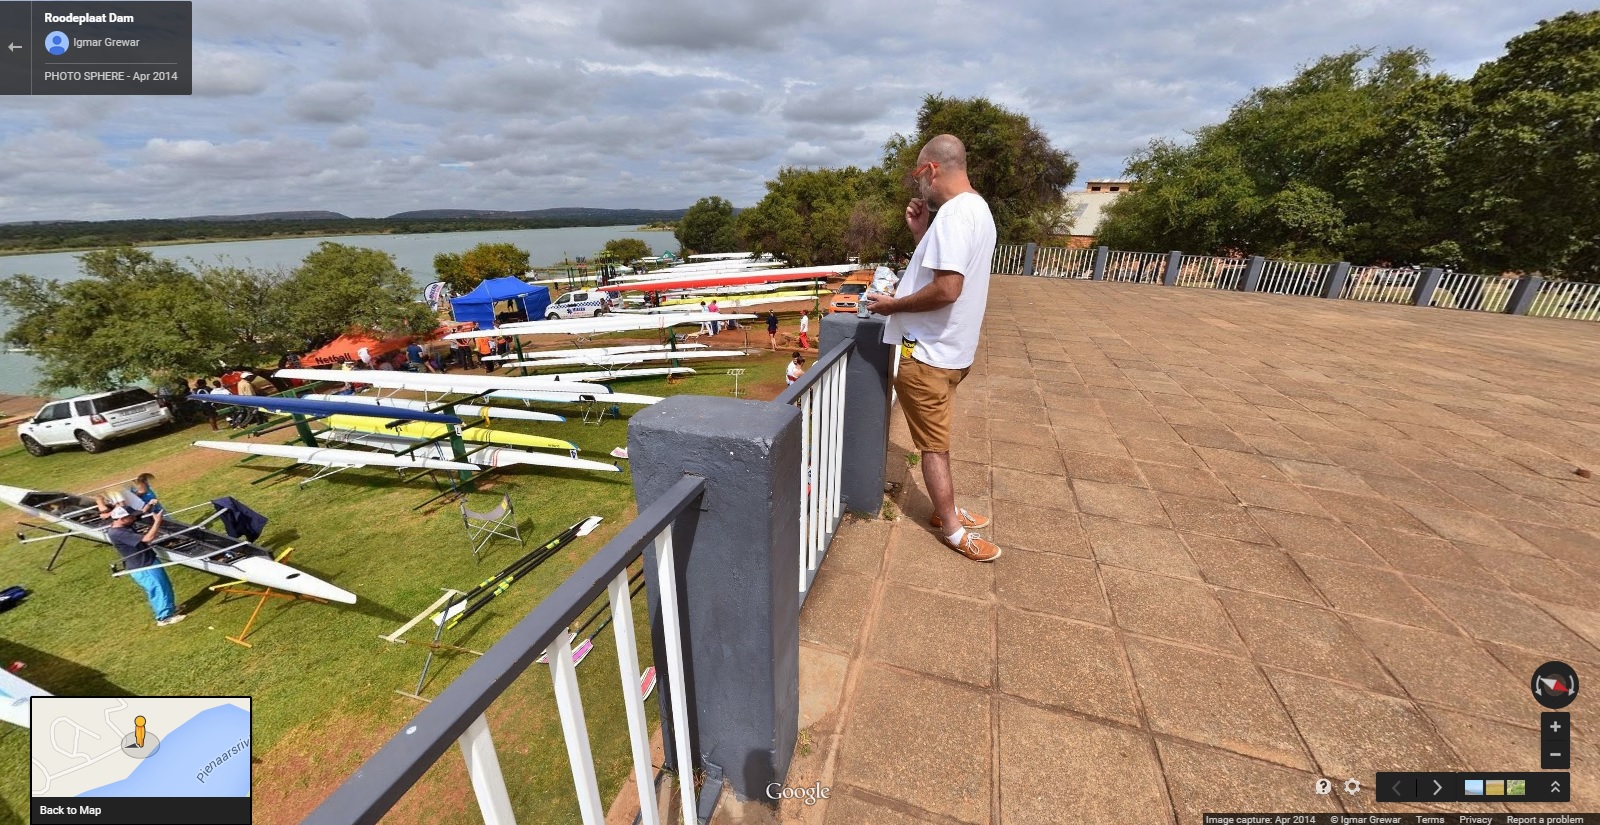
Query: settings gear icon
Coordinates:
[1352,786]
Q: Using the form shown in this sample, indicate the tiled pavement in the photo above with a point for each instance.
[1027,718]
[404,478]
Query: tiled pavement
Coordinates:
[1249,541]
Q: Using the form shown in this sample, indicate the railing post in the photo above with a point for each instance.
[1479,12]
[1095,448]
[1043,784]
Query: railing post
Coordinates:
[1336,280]
[1174,266]
[1523,295]
[866,408]
[740,588]
[1422,295]
[1101,255]
[1251,281]
[1028,254]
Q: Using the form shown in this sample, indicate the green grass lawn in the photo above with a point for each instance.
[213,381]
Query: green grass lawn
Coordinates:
[324,686]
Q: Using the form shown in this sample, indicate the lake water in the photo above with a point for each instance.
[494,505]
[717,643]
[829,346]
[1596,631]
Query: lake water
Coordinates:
[413,252]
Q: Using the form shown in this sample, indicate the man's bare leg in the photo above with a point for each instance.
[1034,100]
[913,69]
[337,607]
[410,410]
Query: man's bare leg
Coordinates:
[941,488]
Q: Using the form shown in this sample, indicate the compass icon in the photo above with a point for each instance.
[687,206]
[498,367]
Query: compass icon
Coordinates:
[1555,685]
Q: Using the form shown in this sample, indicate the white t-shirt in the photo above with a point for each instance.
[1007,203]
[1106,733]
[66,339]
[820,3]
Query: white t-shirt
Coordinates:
[960,239]
[805,322]
[793,373]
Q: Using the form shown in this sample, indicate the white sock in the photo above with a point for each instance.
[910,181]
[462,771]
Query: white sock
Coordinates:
[957,536]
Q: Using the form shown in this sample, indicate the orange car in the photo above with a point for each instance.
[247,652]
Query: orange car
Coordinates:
[848,296]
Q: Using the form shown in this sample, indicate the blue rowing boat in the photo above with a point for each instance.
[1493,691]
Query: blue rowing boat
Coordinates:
[305,406]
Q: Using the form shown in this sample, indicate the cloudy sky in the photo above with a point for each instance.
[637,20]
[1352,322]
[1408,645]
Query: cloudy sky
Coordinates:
[370,107]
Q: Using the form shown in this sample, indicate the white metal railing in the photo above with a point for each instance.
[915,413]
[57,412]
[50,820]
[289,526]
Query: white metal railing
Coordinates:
[820,395]
[1061,262]
[1008,259]
[458,714]
[1459,290]
[1567,299]
[1383,285]
[1293,278]
[1136,267]
[1209,272]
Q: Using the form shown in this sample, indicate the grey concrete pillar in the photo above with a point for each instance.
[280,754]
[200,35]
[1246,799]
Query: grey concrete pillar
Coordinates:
[1251,281]
[866,407]
[1101,255]
[1340,275]
[1422,295]
[740,587]
[1174,264]
[1523,293]
[1028,255]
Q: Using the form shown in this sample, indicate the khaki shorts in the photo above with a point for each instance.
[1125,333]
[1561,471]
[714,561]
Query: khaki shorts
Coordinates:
[927,395]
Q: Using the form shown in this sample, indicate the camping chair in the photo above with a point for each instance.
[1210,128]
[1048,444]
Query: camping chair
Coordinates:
[482,528]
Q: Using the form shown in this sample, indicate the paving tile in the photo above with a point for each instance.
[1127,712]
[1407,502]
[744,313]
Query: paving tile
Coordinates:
[1273,495]
[1584,622]
[1409,488]
[1067,665]
[1055,769]
[836,608]
[1049,583]
[1213,518]
[1025,457]
[1134,410]
[1244,464]
[1045,528]
[1367,509]
[1444,669]
[1214,700]
[1253,567]
[1163,452]
[1102,468]
[971,479]
[822,677]
[1285,446]
[935,634]
[1175,609]
[1353,731]
[1536,576]
[1498,616]
[1576,546]
[1217,437]
[1368,591]
[1366,462]
[1424,555]
[1084,441]
[859,546]
[1317,536]
[1468,528]
[1037,435]
[1325,476]
[1186,481]
[922,560]
[1585,714]
[1032,488]
[1119,501]
[1300,637]
[1139,547]
[919,740]
[844,809]
[1205,780]
[1140,428]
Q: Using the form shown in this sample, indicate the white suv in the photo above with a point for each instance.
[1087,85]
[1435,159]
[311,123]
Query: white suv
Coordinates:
[581,304]
[91,420]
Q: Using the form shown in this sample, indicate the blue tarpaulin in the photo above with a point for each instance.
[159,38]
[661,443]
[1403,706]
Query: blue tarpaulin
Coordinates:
[478,305]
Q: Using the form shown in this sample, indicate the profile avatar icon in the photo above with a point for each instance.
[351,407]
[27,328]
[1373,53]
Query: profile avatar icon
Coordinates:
[56,43]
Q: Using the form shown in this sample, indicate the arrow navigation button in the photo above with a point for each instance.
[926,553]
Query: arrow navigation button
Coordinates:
[13,47]
[1437,788]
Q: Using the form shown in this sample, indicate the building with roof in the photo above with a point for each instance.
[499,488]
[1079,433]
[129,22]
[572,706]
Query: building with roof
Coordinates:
[1086,209]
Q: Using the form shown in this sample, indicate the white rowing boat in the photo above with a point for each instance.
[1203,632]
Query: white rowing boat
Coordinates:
[485,457]
[512,413]
[343,459]
[625,359]
[433,382]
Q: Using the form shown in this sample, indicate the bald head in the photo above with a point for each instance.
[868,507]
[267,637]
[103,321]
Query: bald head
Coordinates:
[945,150]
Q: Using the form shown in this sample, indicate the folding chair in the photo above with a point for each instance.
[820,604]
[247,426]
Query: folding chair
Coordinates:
[482,528]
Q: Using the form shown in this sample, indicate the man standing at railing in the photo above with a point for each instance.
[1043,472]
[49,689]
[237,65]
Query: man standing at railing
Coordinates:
[935,316]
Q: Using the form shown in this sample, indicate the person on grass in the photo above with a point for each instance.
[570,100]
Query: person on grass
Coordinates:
[935,316]
[140,561]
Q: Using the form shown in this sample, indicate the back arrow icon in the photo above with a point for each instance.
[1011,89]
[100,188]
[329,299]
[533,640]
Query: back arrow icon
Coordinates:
[14,47]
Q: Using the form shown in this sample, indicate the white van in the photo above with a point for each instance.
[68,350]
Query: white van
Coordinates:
[91,420]
[578,304]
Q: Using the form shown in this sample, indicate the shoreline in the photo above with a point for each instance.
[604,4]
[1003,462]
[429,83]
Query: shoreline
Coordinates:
[12,253]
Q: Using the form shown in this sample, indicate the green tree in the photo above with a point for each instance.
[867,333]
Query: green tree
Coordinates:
[1009,159]
[707,227]
[463,272]
[1530,162]
[623,250]
[337,288]
[806,215]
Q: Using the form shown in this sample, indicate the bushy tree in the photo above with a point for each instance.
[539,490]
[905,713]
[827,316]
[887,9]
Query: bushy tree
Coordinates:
[623,250]
[338,287]
[463,272]
[806,216]
[707,227]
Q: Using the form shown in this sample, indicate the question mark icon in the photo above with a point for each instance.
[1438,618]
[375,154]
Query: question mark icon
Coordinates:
[1324,787]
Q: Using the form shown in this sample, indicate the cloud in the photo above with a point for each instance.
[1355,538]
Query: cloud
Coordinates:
[331,101]
[349,137]
[219,73]
[703,25]
[837,105]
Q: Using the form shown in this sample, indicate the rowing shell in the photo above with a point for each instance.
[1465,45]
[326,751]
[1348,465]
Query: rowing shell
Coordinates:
[563,398]
[483,457]
[432,382]
[427,431]
[180,543]
[461,409]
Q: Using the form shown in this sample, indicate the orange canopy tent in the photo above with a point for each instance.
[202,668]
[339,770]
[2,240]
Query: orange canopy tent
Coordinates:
[346,348]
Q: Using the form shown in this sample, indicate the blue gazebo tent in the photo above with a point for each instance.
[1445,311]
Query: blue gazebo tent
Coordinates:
[478,305]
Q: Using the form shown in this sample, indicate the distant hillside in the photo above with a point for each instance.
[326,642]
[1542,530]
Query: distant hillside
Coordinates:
[51,236]
[601,217]
[308,215]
